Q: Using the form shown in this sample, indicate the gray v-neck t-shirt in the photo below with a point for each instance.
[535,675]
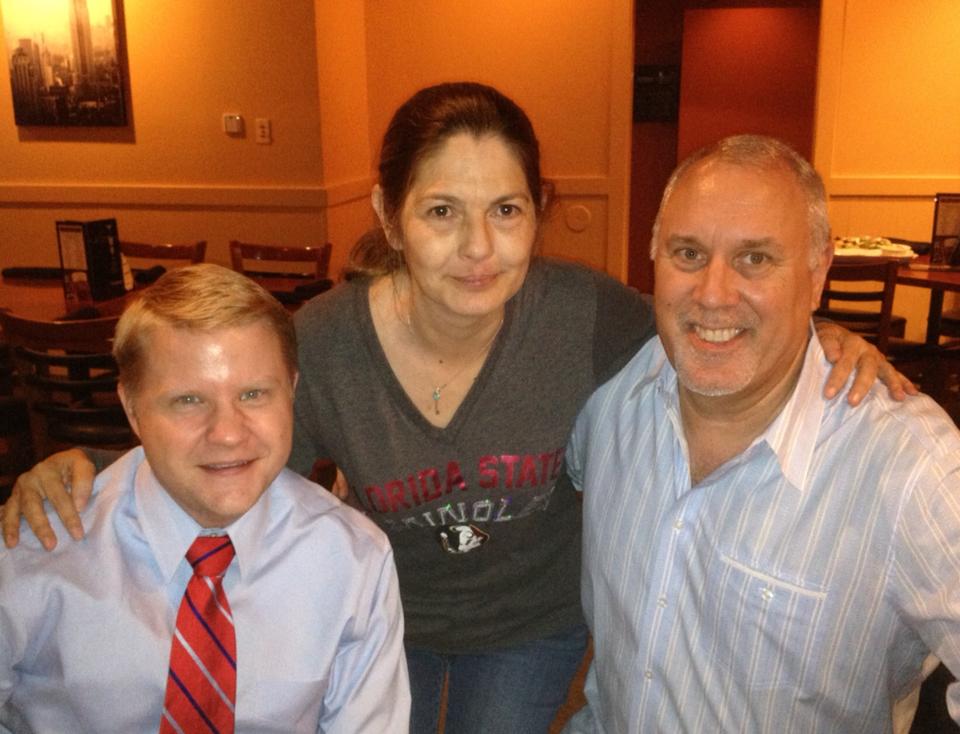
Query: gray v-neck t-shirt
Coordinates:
[484,524]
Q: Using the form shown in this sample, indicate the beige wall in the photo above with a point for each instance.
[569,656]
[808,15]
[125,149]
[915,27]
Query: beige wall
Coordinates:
[344,129]
[328,74]
[887,131]
[174,174]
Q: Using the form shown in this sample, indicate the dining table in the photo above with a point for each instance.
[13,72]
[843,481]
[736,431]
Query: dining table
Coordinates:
[938,280]
[915,270]
[42,298]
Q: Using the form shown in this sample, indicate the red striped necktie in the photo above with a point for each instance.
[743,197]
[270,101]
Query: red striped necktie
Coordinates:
[202,679]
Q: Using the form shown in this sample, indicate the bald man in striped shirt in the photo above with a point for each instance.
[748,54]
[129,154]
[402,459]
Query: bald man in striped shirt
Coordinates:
[757,558]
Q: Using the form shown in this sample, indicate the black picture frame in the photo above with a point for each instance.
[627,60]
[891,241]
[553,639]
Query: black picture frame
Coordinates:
[67,67]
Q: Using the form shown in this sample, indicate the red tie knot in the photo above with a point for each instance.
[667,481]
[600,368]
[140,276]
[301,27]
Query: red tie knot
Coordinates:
[210,555]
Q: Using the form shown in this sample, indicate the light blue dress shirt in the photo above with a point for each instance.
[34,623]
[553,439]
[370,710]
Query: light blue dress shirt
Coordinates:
[798,588]
[85,630]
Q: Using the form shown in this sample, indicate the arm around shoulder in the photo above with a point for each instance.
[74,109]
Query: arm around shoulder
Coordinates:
[65,480]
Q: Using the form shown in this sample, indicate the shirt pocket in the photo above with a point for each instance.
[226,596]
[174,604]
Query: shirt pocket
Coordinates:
[273,705]
[766,631]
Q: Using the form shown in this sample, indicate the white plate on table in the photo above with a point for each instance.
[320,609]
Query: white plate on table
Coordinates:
[888,249]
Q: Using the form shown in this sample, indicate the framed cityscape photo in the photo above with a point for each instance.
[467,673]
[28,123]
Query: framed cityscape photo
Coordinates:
[65,62]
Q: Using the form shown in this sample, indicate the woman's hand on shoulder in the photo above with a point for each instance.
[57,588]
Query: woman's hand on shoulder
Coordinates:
[852,354]
[65,479]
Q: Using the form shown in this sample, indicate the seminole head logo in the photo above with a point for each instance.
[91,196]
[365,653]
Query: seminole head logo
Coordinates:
[461,538]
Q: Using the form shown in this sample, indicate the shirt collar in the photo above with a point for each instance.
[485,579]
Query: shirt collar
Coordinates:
[651,365]
[791,436]
[170,531]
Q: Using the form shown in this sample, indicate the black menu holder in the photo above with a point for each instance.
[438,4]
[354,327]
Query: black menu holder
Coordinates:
[91,261]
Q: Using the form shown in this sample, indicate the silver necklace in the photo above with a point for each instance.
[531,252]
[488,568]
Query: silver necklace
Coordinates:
[440,388]
[408,322]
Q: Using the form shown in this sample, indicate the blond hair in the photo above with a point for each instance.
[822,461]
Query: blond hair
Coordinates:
[202,297]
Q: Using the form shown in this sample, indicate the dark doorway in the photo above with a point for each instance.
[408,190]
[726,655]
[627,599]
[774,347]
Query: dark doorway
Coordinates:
[742,67]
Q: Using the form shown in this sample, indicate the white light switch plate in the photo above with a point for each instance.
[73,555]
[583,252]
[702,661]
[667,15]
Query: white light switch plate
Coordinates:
[264,134]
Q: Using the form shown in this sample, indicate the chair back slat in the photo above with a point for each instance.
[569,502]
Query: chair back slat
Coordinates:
[881,279]
[69,378]
[84,336]
[240,252]
[194,252]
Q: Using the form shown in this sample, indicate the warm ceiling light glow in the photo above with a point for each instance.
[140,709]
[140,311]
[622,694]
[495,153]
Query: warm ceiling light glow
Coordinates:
[30,18]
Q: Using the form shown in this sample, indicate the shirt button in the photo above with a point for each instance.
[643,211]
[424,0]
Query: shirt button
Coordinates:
[648,674]
[766,593]
[662,602]
[678,523]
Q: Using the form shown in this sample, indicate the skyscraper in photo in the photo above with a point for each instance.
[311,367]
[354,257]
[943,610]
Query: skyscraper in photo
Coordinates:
[82,41]
[25,82]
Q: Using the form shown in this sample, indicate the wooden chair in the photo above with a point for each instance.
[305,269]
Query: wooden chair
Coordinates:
[149,261]
[193,253]
[69,379]
[950,324]
[918,362]
[874,324]
[945,238]
[267,258]
[273,266]
[898,324]
[16,446]
[946,235]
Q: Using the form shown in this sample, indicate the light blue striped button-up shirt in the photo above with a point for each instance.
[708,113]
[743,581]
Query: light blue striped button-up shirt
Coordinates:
[798,588]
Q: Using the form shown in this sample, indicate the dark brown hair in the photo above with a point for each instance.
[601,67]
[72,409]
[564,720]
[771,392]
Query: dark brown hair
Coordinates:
[422,125]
